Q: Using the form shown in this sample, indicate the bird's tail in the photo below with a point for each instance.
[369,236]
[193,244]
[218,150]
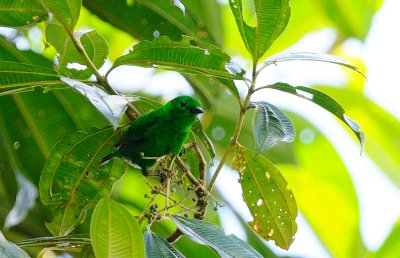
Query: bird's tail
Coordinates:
[107,158]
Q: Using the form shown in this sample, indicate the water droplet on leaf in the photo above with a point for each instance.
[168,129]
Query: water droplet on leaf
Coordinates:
[17,145]
[259,202]
[156,34]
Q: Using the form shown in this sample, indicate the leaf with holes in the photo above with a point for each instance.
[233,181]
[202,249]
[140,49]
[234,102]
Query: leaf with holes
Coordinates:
[272,19]
[265,192]
[115,232]
[72,179]
[21,13]
[270,126]
[206,233]
[156,246]
[65,11]
[70,61]
[322,100]
[183,56]
[19,77]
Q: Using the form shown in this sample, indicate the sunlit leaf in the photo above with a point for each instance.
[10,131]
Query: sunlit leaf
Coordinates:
[157,246]
[183,56]
[21,13]
[18,77]
[70,61]
[319,185]
[265,192]
[272,18]
[115,232]
[25,200]
[111,106]
[72,179]
[324,101]
[271,126]
[211,235]
[65,11]
[308,56]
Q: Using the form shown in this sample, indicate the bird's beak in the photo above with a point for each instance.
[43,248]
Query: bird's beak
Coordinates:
[196,110]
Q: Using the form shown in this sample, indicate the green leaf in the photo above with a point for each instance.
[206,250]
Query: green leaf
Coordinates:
[182,57]
[115,232]
[307,56]
[272,17]
[142,19]
[271,126]
[21,13]
[265,192]
[324,101]
[70,61]
[65,11]
[10,250]
[18,77]
[197,129]
[157,246]
[72,179]
[211,235]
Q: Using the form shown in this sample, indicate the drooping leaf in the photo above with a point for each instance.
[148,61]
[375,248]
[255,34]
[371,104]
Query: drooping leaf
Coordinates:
[197,128]
[308,56]
[324,101]
[70,61]
[265,192]
[211,235]
[271,126]
[18,77]
[25,200]
[115,232]
[10,250]
[21,13]
[65,11]
[72,179]
[111,106]
[272,17]
[182,56]
[158,247]
[52,241]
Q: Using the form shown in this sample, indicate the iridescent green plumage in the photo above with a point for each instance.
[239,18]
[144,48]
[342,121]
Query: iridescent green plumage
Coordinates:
[157,133]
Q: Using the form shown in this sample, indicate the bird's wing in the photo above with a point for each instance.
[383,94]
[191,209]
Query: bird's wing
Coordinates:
[137,132]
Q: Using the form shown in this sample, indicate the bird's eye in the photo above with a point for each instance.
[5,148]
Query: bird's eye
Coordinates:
[183,103]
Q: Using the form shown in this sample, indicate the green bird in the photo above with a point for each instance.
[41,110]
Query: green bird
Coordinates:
[159,132]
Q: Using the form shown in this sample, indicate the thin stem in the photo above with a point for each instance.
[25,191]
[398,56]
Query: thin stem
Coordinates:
[50,241]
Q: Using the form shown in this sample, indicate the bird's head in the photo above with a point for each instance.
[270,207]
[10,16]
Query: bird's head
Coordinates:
[184,106]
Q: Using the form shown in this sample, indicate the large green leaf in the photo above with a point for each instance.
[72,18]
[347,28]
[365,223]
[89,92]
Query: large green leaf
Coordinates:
[156,246]
[72,179]
[322,100]
[211,235]
[115,232]
[183,56]
[142,19]
[70,61]
[352,18]
[271,126]
[21,13]
[65,11]
[18,77]
[265,192]
[324,191]
[272,17]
